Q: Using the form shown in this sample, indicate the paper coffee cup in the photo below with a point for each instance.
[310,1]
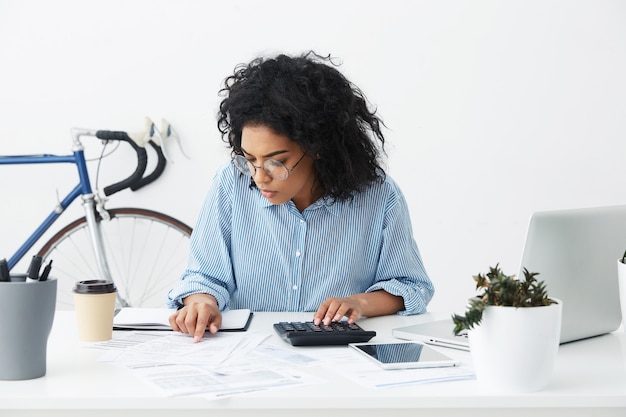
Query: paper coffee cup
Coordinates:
[94,301]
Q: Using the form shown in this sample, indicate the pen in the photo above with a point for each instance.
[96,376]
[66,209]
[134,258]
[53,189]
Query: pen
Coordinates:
[34,267]
[46,271]
[4,271]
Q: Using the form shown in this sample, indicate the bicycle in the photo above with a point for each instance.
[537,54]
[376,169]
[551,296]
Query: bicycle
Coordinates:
[142,251]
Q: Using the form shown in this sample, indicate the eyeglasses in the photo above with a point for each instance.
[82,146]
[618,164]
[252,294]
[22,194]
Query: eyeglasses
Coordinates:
[275,169]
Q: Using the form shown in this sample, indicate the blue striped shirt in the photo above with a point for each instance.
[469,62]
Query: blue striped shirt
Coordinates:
[250,253]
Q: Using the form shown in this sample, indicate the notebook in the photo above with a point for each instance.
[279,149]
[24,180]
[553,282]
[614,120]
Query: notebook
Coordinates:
[132,318]
[575,252]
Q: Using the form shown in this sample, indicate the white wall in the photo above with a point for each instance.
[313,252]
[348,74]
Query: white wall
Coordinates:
[495,109]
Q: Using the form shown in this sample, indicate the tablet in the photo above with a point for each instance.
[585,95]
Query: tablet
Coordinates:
[399,355]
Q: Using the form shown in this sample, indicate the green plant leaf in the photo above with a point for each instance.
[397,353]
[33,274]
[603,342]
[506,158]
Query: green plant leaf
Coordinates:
[498,289]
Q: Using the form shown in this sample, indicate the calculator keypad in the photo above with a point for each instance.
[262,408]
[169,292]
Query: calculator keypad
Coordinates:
[307,333]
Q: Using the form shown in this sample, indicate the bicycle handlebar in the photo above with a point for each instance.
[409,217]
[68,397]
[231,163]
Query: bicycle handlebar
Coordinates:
[136,180]
[156,173]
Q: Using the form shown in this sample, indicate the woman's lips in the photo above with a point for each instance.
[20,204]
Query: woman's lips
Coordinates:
[268,194]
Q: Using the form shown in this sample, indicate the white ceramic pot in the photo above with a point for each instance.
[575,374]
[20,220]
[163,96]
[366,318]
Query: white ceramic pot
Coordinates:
[514,349]
[621,279]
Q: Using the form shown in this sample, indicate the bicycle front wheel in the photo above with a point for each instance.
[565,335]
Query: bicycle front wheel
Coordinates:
[146,252]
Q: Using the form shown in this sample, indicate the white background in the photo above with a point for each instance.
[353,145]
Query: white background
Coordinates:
[494,109]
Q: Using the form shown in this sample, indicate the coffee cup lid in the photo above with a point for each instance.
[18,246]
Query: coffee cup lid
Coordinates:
[94,286]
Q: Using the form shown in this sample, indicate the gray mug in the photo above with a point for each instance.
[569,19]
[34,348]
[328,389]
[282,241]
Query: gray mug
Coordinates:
[26,314]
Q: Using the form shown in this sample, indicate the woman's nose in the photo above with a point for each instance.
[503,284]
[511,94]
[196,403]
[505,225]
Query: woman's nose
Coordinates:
[261,176]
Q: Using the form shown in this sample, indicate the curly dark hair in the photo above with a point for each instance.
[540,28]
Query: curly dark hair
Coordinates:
[313,104]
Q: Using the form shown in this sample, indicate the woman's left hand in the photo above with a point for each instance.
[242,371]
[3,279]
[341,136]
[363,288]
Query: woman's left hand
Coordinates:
[375,303]
[334,309]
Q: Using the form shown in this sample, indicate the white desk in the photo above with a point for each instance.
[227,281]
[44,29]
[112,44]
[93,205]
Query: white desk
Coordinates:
[589,379]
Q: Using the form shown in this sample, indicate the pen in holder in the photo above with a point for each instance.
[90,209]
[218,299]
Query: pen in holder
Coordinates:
[26,314]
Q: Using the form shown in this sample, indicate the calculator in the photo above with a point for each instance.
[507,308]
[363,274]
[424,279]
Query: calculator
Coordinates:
[306,333]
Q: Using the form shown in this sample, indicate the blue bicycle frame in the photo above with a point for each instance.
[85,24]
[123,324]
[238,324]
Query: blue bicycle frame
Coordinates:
[83,188]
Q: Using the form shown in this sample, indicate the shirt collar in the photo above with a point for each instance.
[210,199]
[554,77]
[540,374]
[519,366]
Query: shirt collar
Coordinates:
[333,206]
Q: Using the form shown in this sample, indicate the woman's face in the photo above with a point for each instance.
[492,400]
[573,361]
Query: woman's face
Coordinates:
[259,144]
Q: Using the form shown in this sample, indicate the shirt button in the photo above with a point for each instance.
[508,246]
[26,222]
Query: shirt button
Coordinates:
[297,253]
[295,288]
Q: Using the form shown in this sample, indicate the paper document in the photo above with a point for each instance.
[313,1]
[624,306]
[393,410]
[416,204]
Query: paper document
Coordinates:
[132,318]
[222,364]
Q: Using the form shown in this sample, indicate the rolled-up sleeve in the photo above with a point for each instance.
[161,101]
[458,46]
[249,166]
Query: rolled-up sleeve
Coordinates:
[400,268]
[209,269]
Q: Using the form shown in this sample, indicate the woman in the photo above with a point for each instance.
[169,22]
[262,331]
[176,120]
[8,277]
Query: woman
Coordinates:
[304,217]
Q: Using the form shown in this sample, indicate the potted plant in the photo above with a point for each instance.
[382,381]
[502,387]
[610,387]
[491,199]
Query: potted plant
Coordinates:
[513,328]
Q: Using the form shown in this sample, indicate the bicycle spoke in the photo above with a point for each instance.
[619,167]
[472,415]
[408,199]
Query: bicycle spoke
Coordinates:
[146,253]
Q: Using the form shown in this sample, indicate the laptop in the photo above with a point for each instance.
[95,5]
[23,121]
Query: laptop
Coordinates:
[575,252]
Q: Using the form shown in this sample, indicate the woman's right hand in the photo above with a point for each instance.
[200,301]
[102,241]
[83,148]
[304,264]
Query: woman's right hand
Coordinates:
[200,313]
